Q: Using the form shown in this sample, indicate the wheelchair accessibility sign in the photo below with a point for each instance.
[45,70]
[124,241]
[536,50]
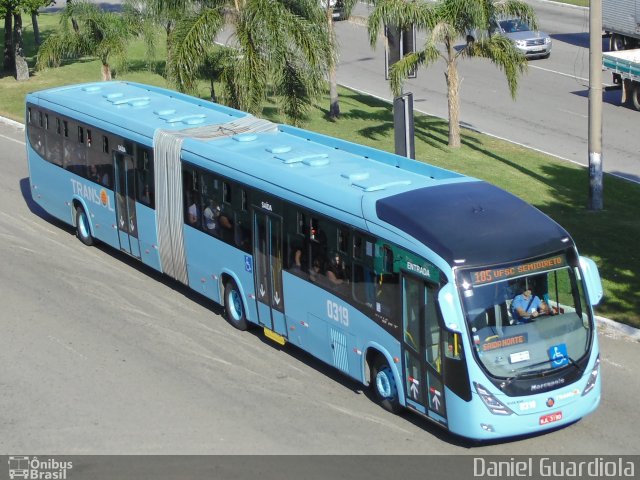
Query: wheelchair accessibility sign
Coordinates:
[559,355]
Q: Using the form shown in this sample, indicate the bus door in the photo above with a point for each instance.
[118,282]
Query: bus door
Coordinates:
[267,254]
[421,344]
[125,193]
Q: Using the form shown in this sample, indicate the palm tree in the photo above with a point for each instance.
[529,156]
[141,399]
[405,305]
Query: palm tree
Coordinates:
[100,34]
[31,7]
[346,6]
[446,21]
[280,47]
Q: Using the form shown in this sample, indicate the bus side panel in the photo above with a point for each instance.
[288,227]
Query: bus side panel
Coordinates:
[50,186]
[99,205]
[208,258]
[148,236]
[331,329]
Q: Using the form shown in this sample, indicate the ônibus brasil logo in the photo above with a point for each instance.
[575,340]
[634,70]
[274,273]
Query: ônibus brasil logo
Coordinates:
[38,469]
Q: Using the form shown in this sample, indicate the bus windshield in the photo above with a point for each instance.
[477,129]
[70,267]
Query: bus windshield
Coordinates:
[526,318]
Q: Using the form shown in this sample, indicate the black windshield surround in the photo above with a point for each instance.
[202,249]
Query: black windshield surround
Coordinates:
[473,221]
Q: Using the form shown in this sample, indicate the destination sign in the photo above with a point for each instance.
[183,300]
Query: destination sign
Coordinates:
[493,343]
[490,275]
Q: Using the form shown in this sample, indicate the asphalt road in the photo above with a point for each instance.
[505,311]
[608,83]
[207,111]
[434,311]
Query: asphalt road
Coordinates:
[102,356]
[550,112]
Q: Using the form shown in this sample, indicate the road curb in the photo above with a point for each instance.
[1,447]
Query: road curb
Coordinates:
[564,5]
[613,328]
[13,123]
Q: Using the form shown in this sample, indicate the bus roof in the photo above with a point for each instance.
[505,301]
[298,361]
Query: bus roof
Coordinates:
[474,223]
[458,217]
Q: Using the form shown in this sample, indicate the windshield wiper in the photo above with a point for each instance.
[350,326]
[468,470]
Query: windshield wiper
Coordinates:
[519,375]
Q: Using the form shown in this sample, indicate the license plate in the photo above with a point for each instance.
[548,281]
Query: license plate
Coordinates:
[552,417]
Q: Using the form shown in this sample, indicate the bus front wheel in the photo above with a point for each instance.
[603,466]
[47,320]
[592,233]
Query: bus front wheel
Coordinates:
[83,230]
[233,306]
[384,386]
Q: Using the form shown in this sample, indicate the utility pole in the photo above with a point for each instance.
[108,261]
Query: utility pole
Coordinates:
[400,42]
[595,106]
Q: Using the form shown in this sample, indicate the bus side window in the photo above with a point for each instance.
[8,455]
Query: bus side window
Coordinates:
[36,133]
[387,282]
[363,275]
[191,197]
[75,151]
[453,345]
[238,214]
[144,174]
[53,144]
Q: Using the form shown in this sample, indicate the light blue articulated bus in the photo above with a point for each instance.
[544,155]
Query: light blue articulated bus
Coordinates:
[447,296]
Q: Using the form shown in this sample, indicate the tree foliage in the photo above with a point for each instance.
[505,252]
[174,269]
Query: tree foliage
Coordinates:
[100,34]
[446,22]
[279,47]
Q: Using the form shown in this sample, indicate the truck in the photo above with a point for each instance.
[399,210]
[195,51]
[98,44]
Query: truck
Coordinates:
[621,21]
[625,66]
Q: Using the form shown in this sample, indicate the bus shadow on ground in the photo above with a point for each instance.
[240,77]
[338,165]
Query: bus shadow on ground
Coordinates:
[25,189]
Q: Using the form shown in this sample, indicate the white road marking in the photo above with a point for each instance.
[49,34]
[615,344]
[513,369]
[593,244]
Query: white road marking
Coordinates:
[67,347]
[569,75]
[614,364]
[573,113]
[369,418]
[19,142]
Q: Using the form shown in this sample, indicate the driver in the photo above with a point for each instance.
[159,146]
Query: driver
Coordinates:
[526,307]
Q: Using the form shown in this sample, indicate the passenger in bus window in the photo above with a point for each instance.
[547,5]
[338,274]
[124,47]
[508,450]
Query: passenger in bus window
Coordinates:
[145,197]
[94,176]
[226,226]
[211,215]
[192,210]
[527,306]
[296,262]
[336,271]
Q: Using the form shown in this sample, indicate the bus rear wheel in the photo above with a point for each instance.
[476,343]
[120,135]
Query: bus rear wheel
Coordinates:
[384,386]
[83,229]
[233,306]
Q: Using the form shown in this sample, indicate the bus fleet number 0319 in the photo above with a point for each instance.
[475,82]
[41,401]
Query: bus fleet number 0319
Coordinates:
[338,313]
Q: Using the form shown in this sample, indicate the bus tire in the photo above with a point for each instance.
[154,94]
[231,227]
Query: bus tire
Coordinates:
[233,306]
[83,228]
[384,386]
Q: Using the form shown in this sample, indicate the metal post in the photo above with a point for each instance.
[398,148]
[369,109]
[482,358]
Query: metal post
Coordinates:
[595,106]
[403,125]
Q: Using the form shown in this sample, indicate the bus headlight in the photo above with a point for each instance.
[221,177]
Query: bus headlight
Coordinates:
[593,377]
[494,405]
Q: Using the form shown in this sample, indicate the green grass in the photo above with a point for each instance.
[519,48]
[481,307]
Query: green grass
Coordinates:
[556,187]
[580,3]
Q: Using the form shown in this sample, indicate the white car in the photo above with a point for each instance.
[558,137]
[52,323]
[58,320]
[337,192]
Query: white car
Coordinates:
[531,43]
[337,7]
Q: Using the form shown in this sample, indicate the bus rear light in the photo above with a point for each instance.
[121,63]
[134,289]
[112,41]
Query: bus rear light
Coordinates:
[593,377]
[494,405]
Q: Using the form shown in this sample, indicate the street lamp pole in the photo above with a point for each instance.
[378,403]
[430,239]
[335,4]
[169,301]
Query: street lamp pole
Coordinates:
[595,106]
